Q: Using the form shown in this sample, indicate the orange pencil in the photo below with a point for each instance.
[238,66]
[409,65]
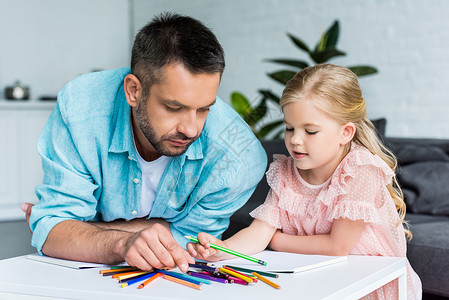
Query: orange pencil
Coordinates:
[143,284]
[183,282]
[270,283]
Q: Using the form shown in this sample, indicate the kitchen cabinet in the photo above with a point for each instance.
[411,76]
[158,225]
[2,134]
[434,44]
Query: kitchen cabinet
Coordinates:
[20,166]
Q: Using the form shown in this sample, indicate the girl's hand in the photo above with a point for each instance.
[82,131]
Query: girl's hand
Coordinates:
[202,250]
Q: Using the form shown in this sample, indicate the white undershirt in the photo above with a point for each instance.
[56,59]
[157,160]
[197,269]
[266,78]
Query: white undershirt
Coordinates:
[151,175]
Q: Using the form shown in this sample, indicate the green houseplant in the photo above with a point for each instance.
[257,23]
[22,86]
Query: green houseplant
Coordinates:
[325,49]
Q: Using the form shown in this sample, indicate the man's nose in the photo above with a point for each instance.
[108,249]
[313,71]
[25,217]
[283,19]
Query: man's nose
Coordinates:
[188,124]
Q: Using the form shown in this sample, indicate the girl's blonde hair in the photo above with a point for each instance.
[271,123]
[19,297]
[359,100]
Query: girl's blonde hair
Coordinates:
[336,91]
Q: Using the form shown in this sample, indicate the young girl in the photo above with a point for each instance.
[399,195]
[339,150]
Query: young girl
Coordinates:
[337,193]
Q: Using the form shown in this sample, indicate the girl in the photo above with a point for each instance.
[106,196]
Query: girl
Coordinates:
[337,193]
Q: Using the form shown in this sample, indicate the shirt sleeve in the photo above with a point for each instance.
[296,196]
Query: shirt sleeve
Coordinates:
[269,211]
[67,189]
[228,189]
[366,194]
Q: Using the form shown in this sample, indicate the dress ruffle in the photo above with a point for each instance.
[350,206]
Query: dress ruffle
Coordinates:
[294,201]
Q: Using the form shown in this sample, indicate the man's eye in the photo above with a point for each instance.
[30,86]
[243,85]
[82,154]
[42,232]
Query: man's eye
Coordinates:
[173,108]
[311,132]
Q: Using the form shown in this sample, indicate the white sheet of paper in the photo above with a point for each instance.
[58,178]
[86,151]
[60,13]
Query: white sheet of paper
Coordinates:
[283,262]
[63,262]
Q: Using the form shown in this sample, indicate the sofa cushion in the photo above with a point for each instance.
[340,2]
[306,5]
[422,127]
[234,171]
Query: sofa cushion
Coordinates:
[380,125]
[428,251]
[423,177]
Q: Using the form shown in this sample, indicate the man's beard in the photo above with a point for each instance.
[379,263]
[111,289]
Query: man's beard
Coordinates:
[148,131]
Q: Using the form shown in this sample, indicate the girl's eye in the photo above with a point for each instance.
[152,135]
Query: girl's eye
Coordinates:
[288,129]
[311,132]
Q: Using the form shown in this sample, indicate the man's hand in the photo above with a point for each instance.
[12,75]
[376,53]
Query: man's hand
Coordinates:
[155,247]
[152,246]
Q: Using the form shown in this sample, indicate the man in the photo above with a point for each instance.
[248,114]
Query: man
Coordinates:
[134,160]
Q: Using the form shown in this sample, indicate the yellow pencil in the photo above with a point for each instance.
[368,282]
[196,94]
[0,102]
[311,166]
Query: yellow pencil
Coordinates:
[124,276]
[183,282]
[270,283]
[245,278]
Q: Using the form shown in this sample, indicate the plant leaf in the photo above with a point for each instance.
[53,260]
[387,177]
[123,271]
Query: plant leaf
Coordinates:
[268,128]
[332,36]
[269,95]
[290,62]
[328,39]
[257,113]
[363,70]
[240,104]
[323,56]
[282,76]
[299,43]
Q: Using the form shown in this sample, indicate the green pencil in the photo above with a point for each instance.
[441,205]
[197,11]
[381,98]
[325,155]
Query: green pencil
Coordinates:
[229,251]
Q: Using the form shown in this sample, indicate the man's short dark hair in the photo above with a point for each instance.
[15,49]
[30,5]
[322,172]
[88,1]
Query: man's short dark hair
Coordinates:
[172,38]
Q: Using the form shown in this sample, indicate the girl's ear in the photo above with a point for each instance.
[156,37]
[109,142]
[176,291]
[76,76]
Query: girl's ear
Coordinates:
[133,90]
[348,131]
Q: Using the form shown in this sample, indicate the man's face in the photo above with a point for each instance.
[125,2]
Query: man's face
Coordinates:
[173,115]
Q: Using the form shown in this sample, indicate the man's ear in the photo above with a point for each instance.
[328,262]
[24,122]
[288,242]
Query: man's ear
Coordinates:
[133,90]
[348,131]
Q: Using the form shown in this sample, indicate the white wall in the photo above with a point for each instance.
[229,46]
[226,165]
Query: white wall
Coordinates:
[45,43]
[408,41]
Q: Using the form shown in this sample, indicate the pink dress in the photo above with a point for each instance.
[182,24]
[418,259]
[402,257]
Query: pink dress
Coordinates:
[356,191]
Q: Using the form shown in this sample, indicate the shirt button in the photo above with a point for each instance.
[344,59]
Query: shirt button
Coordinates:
[136,180]
[134,212]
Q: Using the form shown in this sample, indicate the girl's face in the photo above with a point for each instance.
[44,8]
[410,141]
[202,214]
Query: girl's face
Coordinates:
[314,140]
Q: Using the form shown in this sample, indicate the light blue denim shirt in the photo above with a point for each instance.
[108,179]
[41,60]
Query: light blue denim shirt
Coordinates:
[91,172]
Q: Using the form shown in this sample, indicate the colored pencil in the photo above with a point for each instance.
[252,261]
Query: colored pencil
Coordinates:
[254,278]
[238,280]
[208,277]
[139,279]
[229,251]
[105,272]
[132,278]
[203,263]
[232,273]
[181,276]
[205,268]
[250,271]
[183,282]
[270,283]
[123,276]
[146,282]
[122,267]
[188,276]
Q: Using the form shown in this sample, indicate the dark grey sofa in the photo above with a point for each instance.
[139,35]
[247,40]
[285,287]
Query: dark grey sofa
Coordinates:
[423,174]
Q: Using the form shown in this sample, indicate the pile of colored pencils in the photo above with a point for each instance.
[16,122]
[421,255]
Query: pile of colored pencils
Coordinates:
[199,273]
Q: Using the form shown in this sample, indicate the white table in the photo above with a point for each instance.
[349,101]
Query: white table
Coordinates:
[21,278]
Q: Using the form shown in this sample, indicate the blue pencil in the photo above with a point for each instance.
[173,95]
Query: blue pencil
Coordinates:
[134,280]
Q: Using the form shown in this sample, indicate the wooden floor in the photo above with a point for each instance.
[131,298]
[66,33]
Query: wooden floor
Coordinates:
[15,239]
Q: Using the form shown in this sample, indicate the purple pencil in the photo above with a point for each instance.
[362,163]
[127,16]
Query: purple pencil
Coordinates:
[204,276]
